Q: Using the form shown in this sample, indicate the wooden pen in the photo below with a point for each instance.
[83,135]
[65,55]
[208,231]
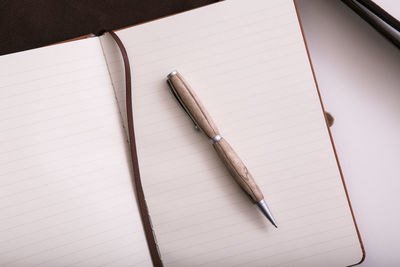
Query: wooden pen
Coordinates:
[203,121]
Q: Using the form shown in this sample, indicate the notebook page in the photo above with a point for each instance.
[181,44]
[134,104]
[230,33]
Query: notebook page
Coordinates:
[66,196]
[248,65]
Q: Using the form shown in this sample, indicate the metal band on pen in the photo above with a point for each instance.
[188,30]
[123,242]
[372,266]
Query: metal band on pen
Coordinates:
[216,138]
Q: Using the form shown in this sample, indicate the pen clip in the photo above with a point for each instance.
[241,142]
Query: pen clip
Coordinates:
[172,89]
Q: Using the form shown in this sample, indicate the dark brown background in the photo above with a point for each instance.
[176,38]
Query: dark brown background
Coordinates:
[26,24]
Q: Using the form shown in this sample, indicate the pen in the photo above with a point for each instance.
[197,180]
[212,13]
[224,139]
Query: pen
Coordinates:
[202,120]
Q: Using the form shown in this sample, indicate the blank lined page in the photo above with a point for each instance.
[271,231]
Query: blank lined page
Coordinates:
[248,64]
[66,197]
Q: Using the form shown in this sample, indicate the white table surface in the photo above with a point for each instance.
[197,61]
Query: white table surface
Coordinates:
[358,73]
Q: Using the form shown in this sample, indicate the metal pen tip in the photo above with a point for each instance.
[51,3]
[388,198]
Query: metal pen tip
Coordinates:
[262,205]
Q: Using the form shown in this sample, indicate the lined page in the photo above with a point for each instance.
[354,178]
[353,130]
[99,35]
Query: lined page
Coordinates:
[247,62]
[66,196]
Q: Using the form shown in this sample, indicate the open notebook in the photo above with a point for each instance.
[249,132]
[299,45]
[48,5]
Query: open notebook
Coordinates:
[66,194]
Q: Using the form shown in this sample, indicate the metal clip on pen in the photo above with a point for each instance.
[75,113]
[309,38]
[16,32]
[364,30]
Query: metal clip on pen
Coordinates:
[202,120]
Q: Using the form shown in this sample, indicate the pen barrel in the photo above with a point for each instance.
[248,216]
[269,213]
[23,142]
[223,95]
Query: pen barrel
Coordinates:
[193,106]
[238,170]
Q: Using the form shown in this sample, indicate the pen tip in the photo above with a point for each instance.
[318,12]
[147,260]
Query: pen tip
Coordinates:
[262,205]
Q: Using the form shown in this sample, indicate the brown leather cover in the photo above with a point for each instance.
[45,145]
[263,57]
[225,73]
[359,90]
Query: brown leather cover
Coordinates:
[27,24]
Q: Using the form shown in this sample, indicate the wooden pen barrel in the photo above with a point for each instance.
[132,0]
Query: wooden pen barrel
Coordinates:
[238,170]
[193,106]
